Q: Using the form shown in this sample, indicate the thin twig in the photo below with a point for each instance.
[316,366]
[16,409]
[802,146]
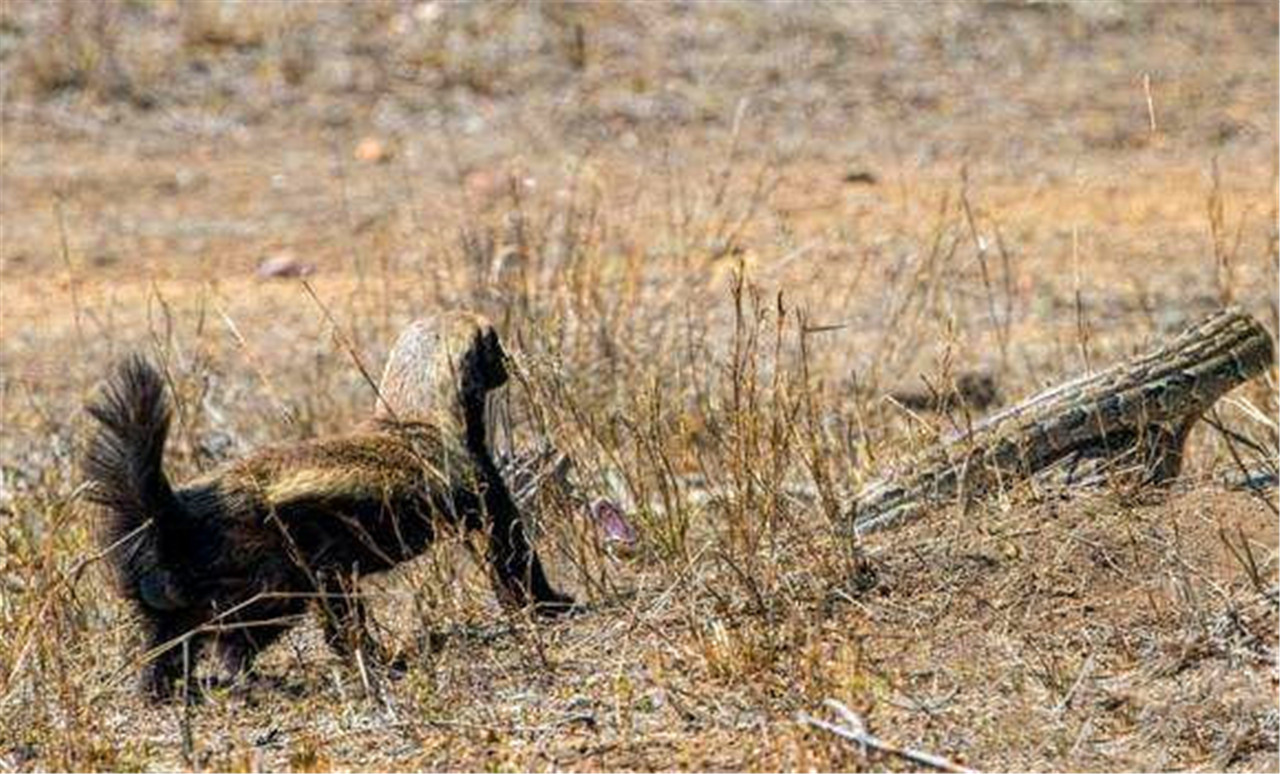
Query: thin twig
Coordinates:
[1085,669]
[73,281]
[1215,421]
[1151,103]
[980,245]
[346,343]
[856,731]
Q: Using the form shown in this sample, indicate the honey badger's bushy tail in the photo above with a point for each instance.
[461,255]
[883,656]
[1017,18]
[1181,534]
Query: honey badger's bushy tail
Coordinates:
[123,464]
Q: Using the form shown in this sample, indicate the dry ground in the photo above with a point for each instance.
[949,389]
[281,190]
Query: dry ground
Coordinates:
[716,236]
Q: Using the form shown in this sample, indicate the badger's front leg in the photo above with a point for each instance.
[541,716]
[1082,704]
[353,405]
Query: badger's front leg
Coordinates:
[519,579]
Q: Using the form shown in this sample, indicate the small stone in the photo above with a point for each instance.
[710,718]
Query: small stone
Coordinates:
[372,151]
[284,266]
[860,177]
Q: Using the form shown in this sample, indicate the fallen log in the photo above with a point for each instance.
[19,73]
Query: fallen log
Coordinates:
[1146,405]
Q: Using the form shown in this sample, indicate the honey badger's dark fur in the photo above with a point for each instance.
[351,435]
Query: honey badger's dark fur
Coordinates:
[236,556]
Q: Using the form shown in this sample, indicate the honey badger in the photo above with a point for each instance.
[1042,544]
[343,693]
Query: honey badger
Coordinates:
[233,558]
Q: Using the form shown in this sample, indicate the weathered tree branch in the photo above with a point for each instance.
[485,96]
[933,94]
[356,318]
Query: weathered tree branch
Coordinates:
[1147,404]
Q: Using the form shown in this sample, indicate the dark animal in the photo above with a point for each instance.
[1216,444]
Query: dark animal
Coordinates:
[234,558]
[973,390]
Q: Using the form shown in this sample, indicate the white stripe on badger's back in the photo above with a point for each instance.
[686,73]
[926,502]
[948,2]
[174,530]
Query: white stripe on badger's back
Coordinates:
[312,484]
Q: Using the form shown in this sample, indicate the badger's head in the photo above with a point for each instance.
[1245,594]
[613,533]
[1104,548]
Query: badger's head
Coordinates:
[484,364]
[438,363]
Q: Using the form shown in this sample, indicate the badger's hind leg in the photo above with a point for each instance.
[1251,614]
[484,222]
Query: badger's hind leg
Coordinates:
[238,649]
[251,627]
[345,621]
[174,649]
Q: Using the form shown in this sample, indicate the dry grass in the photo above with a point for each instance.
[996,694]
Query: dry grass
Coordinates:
[708,302]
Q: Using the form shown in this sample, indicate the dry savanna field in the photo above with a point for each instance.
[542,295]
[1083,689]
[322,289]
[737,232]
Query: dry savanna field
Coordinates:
[724,244]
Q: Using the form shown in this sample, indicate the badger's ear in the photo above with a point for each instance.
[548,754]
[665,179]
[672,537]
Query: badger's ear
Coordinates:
[491,347]
[494,359]
[491,341]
